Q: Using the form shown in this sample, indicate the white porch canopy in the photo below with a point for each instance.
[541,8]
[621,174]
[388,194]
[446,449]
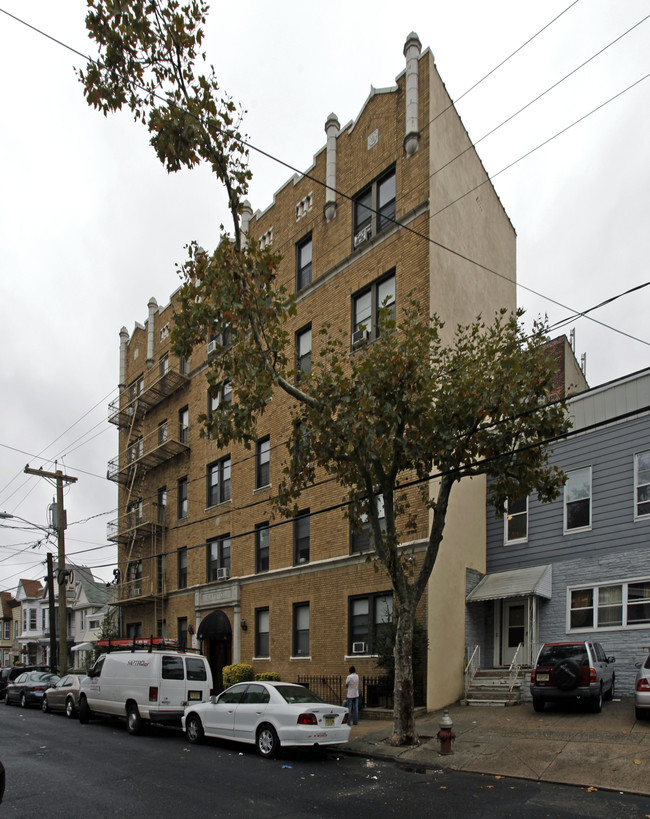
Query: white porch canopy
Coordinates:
[83,647]
[533,580]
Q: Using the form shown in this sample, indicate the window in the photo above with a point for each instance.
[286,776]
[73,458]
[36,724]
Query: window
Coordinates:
[173,668]
[164,364]
[303,263]
[262,547]
[642,484]
[263,463]
[516,519]
[33,619]
[6,630]
[196,669]
[136,387]
[301,630]
[369,621]
[617,605]
[577,500]
[360,539]
[218,558]
[262,633]
[134,578]
[181,492]
[222,395]
[161,566]
[221,337]
[134,630]
[366,307]
[162,505]
[218,482]
[182,567]
[303,351]
[181,632]
[374,207]
[162,433]
[184,365]
[184,425]
[301,537]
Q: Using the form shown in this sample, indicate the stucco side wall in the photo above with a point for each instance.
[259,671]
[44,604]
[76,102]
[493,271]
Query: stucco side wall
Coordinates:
[462,547]
[475,227]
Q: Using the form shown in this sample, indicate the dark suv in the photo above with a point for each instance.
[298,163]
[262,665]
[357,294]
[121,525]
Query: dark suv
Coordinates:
[572,671]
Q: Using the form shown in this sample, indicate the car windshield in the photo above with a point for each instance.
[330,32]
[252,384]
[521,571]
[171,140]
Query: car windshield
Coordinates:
[296,693]
[43,676]
[550,655]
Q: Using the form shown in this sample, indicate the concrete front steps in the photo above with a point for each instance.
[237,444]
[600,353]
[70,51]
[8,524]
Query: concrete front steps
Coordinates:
[491,686]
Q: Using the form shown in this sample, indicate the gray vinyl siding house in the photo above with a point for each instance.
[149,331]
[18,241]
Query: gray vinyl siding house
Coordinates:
[579,567]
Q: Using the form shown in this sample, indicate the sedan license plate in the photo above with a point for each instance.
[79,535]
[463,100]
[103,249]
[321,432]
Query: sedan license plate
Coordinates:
[329,720]
[194,696]
[541,677]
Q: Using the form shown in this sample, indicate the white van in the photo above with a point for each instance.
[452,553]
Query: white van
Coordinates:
[144,685]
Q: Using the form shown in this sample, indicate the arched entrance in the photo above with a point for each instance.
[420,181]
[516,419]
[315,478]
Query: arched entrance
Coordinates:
[215,631]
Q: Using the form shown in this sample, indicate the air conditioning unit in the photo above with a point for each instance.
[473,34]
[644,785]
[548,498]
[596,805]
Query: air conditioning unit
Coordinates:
[359,648]
[223,574]
[362,236]
[212,346]
[359,337]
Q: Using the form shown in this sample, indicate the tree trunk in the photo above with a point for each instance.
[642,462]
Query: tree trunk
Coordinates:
[404,732]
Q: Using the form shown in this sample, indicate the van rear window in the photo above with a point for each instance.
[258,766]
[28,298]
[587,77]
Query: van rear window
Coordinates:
[172,668]
[195,669]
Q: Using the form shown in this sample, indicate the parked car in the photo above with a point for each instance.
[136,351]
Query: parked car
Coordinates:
[269,715]
[29,687]
[642,690]
[64,696]
[572,671]
[144,685]
[9,673]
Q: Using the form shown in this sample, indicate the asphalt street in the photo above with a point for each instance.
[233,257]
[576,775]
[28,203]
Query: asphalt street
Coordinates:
[58,768]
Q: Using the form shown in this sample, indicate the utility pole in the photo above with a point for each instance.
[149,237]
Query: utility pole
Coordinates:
[51,609]
[60,478]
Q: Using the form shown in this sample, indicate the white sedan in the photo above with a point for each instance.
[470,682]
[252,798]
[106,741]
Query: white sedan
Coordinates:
[268,715]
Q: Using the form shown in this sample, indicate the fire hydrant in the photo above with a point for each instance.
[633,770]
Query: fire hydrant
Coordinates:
[445,734]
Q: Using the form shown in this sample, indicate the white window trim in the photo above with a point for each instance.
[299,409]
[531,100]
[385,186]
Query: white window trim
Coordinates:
[591,503]
[594,587]
[509,541]
[636,485]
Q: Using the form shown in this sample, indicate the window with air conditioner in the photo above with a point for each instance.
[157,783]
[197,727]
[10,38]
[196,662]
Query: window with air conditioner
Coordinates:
[218,558]
[374,302]
[369,621]
[374,208]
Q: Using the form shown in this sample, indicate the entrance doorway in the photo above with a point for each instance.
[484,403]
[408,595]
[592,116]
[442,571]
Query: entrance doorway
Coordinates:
[514,629]
[215,633]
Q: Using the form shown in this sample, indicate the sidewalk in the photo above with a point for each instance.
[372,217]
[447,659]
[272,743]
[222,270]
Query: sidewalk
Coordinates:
[564,744]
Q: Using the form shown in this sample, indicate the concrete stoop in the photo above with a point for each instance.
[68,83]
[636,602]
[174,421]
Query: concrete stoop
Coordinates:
[492,687]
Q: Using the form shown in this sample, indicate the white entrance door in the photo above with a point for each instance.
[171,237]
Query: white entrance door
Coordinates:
[514,630]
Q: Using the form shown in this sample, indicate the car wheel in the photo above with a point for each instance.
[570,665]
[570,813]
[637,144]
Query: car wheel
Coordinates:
[134,721]
[23,700]
[70,710]
[567,675]
[84,711]
[194,728]
[267,742]
[597,702]
[612,690]
[44,706]
[538,704]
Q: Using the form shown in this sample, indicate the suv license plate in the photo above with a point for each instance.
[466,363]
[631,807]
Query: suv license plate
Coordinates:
[543,677]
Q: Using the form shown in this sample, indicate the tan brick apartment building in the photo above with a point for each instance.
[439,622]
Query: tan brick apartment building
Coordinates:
[391,205]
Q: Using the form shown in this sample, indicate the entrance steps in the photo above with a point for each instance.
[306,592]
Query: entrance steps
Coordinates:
[492,686]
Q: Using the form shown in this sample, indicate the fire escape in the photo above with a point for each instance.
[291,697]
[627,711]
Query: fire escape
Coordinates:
[141,527]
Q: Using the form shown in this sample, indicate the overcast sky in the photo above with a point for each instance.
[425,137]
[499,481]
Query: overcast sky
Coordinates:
[91,226]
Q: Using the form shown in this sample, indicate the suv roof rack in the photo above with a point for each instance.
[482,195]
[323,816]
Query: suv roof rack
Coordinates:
[133,643]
